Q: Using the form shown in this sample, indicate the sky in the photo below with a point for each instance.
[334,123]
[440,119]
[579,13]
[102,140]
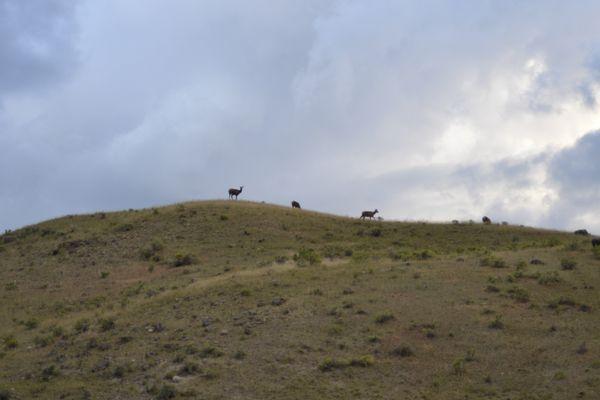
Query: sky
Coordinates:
[423,109]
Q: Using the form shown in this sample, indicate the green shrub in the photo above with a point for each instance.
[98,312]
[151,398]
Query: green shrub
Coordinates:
[189,368]
[364,361]
[166,392]
[382,318]
[496,323]
[403,351]
[210,352]
[491,261]
[183,260]
[307,257]
[567,264]
[42,341]
[549,278]
[82,325]
[104,274]
[151,251]
[49,373]
[458,366]
[106,324]
[10,342]
[329,364]
[519,294]
[31,324]
[124,228]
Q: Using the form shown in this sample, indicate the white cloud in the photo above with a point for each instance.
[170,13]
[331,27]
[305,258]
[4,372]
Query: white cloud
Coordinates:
[430,109]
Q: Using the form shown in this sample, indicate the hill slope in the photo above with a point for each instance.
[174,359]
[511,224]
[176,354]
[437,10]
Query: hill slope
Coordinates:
[238,300]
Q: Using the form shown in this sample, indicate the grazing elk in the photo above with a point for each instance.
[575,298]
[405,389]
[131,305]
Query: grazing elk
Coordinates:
[235,192]
[295,204]
[370,214]
[486,220]
[595,242]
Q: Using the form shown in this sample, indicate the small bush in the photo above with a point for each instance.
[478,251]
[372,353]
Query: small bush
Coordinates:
[104,274]
[42,341]
[281,259]
[496,323]
[329,364]
[458,366]
[31,324]
[189,368]
[10,342]
[124,228]
[5,395]
[492,289]
[183,260]
[567,264]
[307,257]
[10,286]
[166,392]
[382,318]
[210,352]
[151,251]
[364,361]
[223,217]
[493,262]
[106,324]
[519,294]
[403,351]
[49,373]
[549,278]
[119,371]
[82,325]
[239,355]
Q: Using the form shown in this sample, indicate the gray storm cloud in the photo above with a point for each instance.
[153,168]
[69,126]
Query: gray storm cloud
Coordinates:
[424,109]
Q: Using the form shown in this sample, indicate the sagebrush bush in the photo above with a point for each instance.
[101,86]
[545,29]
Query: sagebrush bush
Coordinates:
[106,324]
[384,317]
[567,264]
[182,260]
[307,256]
[494,262]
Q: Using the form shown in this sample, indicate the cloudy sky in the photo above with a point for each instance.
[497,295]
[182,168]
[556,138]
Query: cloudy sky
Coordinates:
[432,110]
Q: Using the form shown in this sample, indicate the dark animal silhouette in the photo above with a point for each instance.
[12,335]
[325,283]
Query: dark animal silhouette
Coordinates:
[486,220]
[595,242]
[581,232]
[369,214]
[295,204]
[235,192]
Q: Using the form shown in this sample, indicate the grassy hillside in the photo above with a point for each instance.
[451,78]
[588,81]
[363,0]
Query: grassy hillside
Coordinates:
[239,300]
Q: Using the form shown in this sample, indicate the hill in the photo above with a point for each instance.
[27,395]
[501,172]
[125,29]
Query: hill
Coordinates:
[240,300]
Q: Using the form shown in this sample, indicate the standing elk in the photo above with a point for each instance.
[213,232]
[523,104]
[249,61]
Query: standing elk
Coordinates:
[295,204]
[235,192]
[370,214]
[486,220]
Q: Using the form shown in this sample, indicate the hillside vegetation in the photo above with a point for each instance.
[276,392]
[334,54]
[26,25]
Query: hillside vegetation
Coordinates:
[240,300]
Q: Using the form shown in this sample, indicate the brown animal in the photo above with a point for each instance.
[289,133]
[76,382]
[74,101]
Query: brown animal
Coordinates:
[295,204]
[235,192]
[486,220]
[595,242]
[370,214]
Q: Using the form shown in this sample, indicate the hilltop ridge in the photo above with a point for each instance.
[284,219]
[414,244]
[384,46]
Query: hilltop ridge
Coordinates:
[235,299]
